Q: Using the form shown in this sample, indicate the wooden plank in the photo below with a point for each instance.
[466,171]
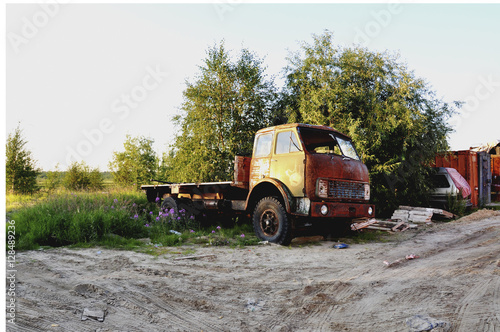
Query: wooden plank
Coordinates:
[399,224]
[193,257]
[379,228]
[365,224]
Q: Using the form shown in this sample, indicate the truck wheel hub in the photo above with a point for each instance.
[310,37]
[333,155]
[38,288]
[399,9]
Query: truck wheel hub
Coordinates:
[269,223]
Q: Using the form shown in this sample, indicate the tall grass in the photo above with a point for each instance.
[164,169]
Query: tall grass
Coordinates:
[81,217]
[113,219]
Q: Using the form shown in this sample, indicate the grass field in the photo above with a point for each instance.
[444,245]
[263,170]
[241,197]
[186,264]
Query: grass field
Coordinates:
[115,218]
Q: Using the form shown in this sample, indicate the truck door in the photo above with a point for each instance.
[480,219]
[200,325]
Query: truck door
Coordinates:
[287,162]
[260,165]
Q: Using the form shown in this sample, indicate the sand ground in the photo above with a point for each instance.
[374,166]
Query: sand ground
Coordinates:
[310,286]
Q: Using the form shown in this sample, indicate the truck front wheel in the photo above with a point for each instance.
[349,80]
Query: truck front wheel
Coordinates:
[270,221]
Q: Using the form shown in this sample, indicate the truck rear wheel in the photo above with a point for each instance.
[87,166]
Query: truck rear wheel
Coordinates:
[170,203]
[270,221]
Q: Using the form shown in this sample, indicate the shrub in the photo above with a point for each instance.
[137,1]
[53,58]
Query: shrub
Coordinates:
[79,176]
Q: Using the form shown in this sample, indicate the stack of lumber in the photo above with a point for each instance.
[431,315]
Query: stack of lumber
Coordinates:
[419,214]
[405,217]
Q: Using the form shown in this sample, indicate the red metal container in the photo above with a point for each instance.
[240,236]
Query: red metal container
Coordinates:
[465,162]
[495,177]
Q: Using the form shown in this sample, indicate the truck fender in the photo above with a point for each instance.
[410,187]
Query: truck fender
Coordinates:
[264,188]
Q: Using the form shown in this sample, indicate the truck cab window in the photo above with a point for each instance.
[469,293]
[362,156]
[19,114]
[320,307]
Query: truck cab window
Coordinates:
[347,148]
[263,145]
[317,141]
[286,142]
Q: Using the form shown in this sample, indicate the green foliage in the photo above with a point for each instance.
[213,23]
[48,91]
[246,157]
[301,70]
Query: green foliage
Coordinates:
[223,108]
[80,176]
[137,165]
[20,168]
[394,118]
[79,218]
[456,204]
[54,179]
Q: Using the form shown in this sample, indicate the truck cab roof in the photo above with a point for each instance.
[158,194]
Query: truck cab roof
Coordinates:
[301,125]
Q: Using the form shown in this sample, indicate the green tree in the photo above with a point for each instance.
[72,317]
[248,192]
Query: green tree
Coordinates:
[137,165]
[80,176]
[222,109]
[20,167]
[54,179]
[394,118]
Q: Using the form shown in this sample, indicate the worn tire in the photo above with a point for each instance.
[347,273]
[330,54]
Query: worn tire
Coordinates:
[170,203]
[270,221]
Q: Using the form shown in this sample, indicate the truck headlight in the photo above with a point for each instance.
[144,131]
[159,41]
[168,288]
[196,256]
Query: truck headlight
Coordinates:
[323,188]
[324,210]
[367,192]
[370,211]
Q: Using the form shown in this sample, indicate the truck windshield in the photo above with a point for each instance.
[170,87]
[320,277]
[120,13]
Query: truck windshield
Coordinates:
[322,141]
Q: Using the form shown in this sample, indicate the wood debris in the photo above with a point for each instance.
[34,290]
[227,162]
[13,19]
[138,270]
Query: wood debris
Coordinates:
[405,217]
[382,225]
[193,257]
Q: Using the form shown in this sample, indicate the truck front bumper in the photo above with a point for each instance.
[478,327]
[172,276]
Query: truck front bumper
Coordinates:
[341,210]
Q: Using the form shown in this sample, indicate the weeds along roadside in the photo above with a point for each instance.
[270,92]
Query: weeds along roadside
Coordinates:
[116,218]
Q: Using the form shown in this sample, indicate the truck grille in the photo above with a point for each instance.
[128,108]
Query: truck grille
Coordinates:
[346,190]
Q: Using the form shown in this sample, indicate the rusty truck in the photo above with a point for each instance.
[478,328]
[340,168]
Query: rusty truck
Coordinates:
[298,174]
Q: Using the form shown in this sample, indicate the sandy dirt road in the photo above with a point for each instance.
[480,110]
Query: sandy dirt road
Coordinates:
[307,287]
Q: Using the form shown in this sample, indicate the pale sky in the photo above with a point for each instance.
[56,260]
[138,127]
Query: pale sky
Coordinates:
[80,77]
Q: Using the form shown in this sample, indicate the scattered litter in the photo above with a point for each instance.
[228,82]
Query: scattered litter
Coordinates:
[267,243]
[419,323]
[96,314]
[175,232]
[99,252]
[341,246]
[255,305]
[401,260]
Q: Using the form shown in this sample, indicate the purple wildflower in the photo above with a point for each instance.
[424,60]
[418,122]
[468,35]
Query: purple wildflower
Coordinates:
[136,216]
[242,235]
[213,231]
[157,199]
[191,231]
[147,225]
[157,218]
[151,212]
[218,227]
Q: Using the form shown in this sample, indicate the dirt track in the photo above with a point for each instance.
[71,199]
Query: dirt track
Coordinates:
[455,280]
